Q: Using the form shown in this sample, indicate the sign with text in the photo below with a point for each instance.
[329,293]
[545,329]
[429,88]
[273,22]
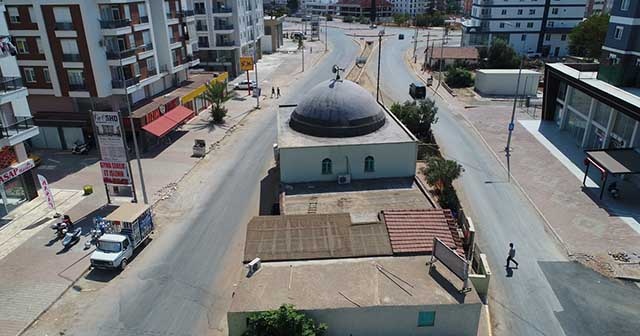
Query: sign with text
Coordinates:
[16,170]
[48,195]
[109,136]
[246,63]
[450,259]
[115,173]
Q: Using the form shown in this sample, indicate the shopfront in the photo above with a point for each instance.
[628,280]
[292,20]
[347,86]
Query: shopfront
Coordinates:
[17,186]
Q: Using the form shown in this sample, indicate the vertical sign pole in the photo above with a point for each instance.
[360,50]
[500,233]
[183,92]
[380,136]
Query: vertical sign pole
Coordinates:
[95,136]
[124,139]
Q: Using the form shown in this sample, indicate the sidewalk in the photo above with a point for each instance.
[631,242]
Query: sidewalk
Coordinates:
[35,271]
[587,227]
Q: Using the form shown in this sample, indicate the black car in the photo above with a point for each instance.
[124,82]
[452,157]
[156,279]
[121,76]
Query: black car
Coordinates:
[417,91]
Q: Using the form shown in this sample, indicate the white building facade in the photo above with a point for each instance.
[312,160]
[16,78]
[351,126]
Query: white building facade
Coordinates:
[410,7]
[17,173]
[227,30]
[529,26]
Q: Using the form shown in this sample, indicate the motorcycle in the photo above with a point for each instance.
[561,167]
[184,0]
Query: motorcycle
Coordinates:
[80,148]
[71,238]
[60,228]
[613,190]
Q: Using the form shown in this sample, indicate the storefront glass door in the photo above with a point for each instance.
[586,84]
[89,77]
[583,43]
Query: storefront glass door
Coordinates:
[13,194]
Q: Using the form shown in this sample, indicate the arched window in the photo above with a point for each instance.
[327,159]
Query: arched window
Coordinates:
[326,167]
[369,164]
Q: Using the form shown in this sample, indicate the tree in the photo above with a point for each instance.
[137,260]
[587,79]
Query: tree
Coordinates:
[502,56]
[329,17]
[587,38]
[285,321]
[440,173]
[400,19]
[459,78]
[292,5]
[347,19]
[216,95]
[364,20]
[417,117]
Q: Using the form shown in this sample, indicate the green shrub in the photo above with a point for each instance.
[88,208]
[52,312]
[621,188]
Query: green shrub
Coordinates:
[459,78]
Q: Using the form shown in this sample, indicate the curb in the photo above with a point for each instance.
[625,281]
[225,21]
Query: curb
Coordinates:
[517,184]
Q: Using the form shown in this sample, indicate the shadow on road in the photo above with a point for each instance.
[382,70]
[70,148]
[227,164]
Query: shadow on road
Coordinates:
[100,275]
[270,193]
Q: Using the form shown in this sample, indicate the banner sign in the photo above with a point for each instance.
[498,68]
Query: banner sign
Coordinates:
[450,259]
[115,173]
[15,171]
[246,63]
[109,136]
[47,192]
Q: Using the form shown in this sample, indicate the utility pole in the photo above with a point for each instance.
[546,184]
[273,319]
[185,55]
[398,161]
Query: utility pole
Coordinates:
[441,62]
[326,25]
[380,34]
[426,52]
[507,150]
[303,57]
[255,64]
[415,46]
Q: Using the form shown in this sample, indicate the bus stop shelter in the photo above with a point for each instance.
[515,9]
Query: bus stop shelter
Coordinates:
[616,161]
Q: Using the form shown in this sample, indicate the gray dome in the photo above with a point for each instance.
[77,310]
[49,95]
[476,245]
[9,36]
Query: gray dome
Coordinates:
[337,109]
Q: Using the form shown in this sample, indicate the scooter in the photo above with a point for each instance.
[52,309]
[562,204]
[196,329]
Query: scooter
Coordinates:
[80,149]
[71,238]
[60,228]
[613,190]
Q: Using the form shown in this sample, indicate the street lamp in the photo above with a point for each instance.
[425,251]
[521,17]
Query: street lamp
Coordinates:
[380,35]
[507,149]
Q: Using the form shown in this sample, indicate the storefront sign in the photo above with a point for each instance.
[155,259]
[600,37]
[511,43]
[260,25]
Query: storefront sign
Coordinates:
[198,91]
[47,192]
[115,173]
[15,171]
[246,63]
[109,135]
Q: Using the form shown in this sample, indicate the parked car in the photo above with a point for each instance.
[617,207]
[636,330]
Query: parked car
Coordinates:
[245,85]
[297,35]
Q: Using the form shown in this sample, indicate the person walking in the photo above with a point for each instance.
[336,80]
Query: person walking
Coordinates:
[512,255]
[278,96]
[273,92]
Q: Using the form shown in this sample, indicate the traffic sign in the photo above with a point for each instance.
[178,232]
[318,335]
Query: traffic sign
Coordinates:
[246,63]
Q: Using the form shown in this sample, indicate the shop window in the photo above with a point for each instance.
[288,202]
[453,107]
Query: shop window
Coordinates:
[601,113]
[426,319]
[326,167]
[579,101]
[622,131]
[369,164]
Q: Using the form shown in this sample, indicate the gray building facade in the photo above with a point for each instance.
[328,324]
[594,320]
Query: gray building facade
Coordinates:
[621,51]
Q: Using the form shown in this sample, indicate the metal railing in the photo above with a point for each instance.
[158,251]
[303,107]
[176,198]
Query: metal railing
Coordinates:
[124,83]
[203,45]
[111,24]
[71,58]
[188,12]
[200,11]
[173,39]
[64,26]
[23,124]
[152,72]
[144,19]
[223,26]
[77,87]
[115,54]
[173,15]
[222,10]
[225,43]
[177,62]
[201,27]
[10,83]
[145,47]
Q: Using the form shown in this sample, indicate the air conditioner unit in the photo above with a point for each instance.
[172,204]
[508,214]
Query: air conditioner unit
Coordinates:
[344,179]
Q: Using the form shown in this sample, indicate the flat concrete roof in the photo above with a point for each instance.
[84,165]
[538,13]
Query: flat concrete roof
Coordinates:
[362,199]
[324,284]
[390,132]
[508,71]
[313,236]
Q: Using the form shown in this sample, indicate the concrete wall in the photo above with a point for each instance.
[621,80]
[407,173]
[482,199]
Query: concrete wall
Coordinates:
[504,84]
[454,319]
[305,164]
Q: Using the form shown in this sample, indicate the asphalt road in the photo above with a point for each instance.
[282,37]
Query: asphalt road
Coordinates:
[171,288]
[547,295]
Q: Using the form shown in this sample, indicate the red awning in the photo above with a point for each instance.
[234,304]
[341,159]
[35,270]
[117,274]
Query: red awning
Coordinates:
[179,114]
[170,120]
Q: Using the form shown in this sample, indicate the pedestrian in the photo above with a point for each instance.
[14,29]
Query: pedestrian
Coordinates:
[512,256]
[278,96]
[311,50]
[273,91]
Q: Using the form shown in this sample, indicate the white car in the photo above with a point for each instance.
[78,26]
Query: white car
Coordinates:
[244,85]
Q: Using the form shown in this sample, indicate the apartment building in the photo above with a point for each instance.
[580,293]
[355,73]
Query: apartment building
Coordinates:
[319,7]
[81,55]
[530,26]
[595,7]
[17,176]
[358,8]
[227,30]
[620,59]
[410,7]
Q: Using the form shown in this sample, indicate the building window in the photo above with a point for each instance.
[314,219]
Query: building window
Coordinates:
[550,23]
[618,33]
[39,44]
[21,45]
[14,16]
[523,37]
[69,46]
[625,5]
[47,77]
[517,24]
[554,10]
[501,24]
[62,14]
[326,167]
[547,37]
[519,11]
[76,77]
[504,12]
[426,319]
[136,69]
[529,24]
[563,37]
[29,75]
[532,12]
[369,164]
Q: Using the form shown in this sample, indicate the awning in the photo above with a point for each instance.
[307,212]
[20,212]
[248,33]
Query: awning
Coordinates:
[612,161]
[169,121]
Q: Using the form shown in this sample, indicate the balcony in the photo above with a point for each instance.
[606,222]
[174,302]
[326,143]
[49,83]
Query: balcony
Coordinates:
[116,55]
[222,10]
[200,11]
[174,39]
[188,12]
[203,45]
[201,27]
[10,84]
[23,127]
[144,19]
[223,26]
[145,47]
[71,58]
[121,84]
[152,72]
[77,87]
[177,62]
[112,24]
[226,43]
[173,15]
[64,26]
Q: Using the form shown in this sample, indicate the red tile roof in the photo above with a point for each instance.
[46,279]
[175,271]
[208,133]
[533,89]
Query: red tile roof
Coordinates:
[412,231]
